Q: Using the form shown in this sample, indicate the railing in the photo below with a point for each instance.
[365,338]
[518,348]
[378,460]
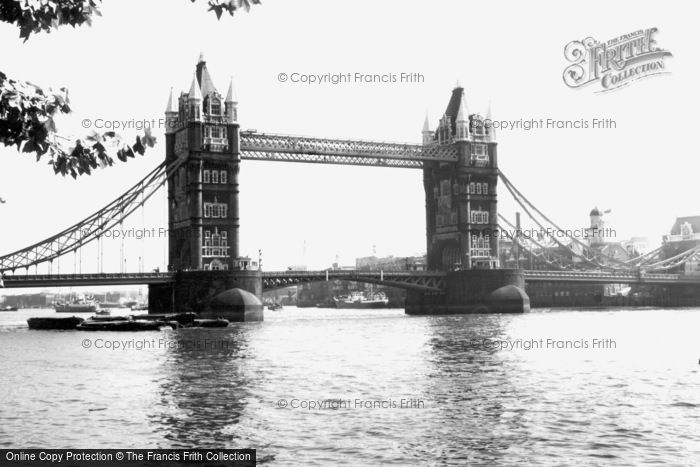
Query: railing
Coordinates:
[136,278]
[263,146]
[681,238]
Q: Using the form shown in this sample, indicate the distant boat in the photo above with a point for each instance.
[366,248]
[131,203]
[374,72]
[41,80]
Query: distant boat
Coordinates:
[69,322]
[76,307]
[360,300]
[275,307]
[103,313]
[9,308]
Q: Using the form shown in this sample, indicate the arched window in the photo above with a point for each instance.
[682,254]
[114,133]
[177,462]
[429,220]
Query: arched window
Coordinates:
[485,188]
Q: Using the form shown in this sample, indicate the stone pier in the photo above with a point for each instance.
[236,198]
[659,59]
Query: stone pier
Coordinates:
[474,291]
[233,295]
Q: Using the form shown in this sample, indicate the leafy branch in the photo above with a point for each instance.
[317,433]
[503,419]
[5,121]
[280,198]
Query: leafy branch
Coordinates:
[27,111]
[27,121]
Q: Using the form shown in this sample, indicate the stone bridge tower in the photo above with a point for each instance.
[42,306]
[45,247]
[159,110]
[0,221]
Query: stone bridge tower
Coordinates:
[202,130]
[202,133]
[461,201]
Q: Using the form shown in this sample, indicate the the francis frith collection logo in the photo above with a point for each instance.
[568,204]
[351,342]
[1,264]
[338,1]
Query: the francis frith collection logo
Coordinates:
[616,62]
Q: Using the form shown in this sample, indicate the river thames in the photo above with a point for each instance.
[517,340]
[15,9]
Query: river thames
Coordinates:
[369,387]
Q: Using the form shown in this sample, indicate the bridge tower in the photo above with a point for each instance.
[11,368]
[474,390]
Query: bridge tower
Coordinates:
[461,201]
[203,132]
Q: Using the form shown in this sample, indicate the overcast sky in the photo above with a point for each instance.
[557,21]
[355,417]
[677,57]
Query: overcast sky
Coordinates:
[507,53]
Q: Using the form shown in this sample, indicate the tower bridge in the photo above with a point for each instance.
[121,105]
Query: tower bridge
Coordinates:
[204,148]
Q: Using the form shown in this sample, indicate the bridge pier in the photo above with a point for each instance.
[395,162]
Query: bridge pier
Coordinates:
[474,291]
[233,295]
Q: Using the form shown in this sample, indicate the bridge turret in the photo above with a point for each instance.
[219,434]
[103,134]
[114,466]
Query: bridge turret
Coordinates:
[194,100]
[171,115]
[462,122]
[231,104]
[489,128]
[427,133]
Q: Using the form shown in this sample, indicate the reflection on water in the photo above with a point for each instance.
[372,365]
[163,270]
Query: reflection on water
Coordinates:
[368,387]
[203,387]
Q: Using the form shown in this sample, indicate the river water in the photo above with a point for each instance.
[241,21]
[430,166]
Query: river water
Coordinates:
[369,387]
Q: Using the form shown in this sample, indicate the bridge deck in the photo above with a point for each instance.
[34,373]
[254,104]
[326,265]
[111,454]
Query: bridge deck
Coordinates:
[416,280]
[274,147]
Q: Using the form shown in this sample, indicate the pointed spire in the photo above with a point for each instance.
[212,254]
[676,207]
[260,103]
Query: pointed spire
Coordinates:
[195,92]
[489,120]
[457,85]
[231,94]
[426,123]
[462,113]
[206,82]
[201,57]
[171,106]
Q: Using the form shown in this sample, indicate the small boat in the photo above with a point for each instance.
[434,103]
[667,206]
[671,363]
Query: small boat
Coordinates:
[123,325]
[109,318]
[360,300]
[69,322]
[211,323]
[274,307]
[103,313]
[9,308]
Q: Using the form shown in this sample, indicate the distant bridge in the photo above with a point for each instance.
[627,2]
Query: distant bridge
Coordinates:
[427,281]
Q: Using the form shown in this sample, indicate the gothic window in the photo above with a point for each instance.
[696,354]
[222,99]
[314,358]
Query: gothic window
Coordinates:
[479,150]
[206,267]
[478,188]
[224,267]
[686,229]
[224,234]
[216,132]
[477,126]
[224,177]
[479,217]
[485,188]
[215,176]
[207,210]
[207,176]
[207,234]
[480,246]
[445,188]
[479,154]
[215,106]
[223,210]
[472,188]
